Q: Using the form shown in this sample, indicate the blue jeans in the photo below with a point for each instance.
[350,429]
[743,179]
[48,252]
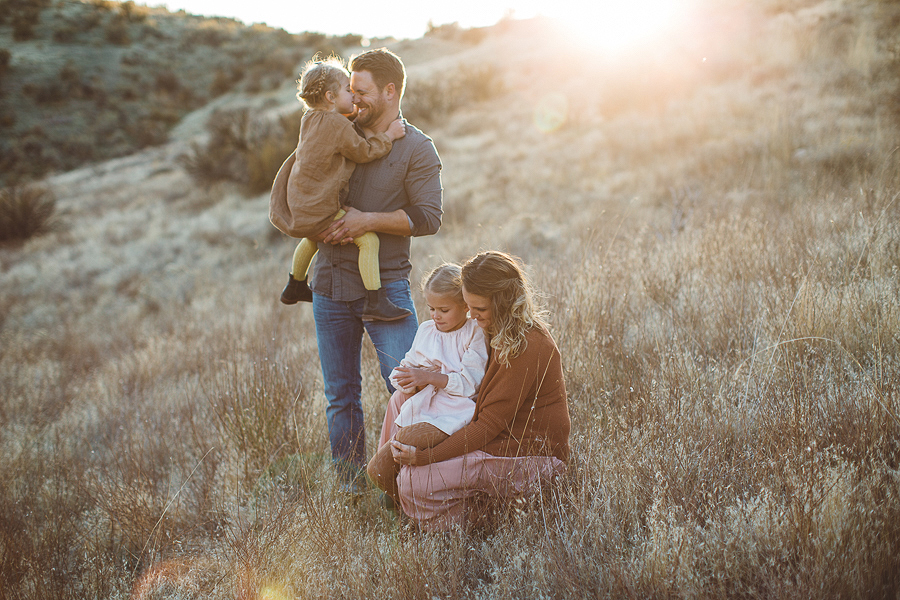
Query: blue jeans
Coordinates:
[339,333]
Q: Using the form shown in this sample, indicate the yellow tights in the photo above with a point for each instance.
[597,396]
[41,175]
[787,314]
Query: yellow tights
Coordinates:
[368,257]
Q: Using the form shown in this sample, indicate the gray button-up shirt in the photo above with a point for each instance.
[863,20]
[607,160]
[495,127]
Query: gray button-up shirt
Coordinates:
[408,178]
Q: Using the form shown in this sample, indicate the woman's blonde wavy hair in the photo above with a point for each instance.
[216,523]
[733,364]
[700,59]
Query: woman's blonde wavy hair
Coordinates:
[514,311]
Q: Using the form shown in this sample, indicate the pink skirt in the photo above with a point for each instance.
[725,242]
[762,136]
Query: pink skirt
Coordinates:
[441,495]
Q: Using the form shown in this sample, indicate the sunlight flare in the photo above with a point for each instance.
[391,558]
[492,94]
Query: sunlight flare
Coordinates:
[615,26]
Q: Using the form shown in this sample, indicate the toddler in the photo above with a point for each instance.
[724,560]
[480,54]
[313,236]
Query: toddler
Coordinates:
[310,185]
[442,371]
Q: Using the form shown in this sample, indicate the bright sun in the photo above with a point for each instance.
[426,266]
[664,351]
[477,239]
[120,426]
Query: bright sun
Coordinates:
[616,25]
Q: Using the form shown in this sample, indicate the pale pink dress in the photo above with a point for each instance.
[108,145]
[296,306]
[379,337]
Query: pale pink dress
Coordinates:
[461,355]
[439,496]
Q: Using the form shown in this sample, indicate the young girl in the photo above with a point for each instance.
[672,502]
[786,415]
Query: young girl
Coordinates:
[518,438]
[442,370]
[307,192]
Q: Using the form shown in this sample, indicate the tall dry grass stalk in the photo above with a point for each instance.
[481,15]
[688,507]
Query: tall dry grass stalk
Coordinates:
[722,267]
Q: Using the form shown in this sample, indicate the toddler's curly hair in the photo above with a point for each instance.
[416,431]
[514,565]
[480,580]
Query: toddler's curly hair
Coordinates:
[445,280]
[320,76]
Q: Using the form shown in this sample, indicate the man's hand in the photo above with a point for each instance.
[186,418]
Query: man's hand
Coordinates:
[354,223]
[335,234]
[346,229]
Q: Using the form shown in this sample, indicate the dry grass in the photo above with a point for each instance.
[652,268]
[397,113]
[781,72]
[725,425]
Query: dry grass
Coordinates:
[722,266]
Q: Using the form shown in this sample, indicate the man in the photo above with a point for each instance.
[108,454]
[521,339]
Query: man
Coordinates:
[397,196]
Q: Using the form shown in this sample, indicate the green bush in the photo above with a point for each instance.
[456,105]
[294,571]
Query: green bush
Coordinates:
[133,13]
[66,34]
[167,82]
[242,150]
[103,5]
[25,212]
[23,27]
[46,93]
[221,84]
[117,31]
[221,158]
[206,36]
[454,33]
[5,57]
[262,164]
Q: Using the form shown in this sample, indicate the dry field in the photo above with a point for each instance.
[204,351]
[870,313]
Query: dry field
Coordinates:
[715,228]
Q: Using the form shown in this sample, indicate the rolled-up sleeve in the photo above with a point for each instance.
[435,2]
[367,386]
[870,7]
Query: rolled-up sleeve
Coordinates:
[424,190]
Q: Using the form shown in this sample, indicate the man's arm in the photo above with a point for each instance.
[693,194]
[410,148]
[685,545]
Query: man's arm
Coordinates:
[423,187]
[421,217]
[355,223]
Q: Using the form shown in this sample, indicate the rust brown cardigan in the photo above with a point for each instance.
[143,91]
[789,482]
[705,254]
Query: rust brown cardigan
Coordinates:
[521,409]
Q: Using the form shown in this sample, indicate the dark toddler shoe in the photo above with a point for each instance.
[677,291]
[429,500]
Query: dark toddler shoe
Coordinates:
[296,291]
[380,308]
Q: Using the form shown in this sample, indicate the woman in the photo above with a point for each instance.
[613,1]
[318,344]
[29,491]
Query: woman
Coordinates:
[519,435]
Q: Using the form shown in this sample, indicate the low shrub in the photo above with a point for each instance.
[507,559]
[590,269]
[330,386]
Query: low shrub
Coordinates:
[167,82]
[454,33]
[66,34]
[5,57]
[117,31]
[25,212]
[132,12]
[222,83]
[103,5]
[242,150]
[429,100]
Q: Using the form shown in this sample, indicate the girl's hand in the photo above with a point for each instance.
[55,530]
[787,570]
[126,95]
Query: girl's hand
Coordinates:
[409,377]
[403,454]
[396,130]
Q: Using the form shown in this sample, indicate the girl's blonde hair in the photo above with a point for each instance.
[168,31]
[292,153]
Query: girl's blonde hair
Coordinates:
[501,278]
[445,280]
[320,76]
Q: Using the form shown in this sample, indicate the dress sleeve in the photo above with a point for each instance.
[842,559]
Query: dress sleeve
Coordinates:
[474,360]
[355,147]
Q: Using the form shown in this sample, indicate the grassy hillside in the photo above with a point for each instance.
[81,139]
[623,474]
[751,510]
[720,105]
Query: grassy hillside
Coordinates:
[88,80]
[714,222]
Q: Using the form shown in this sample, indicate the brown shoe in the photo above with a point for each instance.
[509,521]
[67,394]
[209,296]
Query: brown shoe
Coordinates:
[296,291]
[380,308]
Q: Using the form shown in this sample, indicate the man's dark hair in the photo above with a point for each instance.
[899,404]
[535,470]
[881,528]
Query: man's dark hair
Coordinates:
[385,67]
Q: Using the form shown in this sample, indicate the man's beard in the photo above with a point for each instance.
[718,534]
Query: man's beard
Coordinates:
[370,114]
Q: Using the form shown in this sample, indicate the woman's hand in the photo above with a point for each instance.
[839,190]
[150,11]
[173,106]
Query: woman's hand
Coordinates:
[403,454]
[414,377]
